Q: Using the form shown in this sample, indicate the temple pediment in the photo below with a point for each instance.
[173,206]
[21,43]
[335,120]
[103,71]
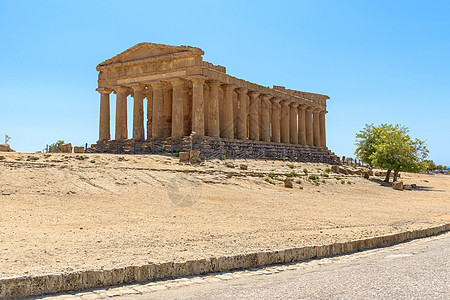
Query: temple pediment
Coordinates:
[148,50]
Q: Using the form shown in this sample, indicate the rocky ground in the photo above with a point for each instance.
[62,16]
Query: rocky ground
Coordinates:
[64,212]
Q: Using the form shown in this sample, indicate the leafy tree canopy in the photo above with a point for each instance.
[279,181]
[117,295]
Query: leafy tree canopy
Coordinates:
[390,147]
[56,147]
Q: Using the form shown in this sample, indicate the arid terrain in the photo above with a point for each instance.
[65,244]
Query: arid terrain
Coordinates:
[64,212]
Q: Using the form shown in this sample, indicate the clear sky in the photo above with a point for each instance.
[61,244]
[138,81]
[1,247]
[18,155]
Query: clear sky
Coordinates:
[379,61]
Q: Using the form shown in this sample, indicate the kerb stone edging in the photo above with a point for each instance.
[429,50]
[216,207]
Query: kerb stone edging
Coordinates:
[23,286]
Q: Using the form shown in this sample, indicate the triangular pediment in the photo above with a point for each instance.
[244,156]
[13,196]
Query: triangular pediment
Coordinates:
[148,50]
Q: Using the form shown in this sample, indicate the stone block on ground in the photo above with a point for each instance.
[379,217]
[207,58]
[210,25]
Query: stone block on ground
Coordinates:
[6,148]
[288,183]
[194,156]
[343,171]
[183,156]
[335,169]
[78,149]
[414,186]
[407,187]
[398,185]
[243,167]
[365,175]
[66,148]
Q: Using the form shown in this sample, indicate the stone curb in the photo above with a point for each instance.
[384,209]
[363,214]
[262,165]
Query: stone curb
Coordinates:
[23,286]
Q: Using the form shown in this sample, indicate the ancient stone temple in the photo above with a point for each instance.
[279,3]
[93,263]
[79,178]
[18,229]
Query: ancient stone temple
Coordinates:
[187,96]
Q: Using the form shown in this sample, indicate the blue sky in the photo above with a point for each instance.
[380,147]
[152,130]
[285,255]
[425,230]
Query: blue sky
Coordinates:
[379,61]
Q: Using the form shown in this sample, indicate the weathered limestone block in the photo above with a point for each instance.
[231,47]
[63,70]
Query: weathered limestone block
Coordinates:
[6,148]
[343,171]
[183,156]
[78,149]
[414,186]
[407,187]
[288,183]
[243,167]
[397,185]
[335,169]
[66,148]
[366,175]
[194,156]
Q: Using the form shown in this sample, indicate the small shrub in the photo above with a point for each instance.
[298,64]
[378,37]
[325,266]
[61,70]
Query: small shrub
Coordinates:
[291,166]
[34,158]
[92,161]
[305,171]
[272,175]
[342,181]
[223,156]
[278,178]
[323,181]
[291,174]
[269,181]
[80,157]
[338,178]
[325,175]
[313,177]
[299,181]
[328,170]
[349,182]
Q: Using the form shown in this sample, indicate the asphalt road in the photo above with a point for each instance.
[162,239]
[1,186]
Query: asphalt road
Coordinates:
[416,270]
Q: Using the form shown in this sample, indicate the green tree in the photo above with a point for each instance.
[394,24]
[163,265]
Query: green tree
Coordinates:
[390,147]
[56,147]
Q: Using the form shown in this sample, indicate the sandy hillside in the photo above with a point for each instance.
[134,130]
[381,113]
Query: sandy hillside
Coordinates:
[68,212]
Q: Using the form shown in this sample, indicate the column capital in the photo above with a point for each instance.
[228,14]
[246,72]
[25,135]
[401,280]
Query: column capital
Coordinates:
[302,107]
[309,109]
[156,84]
[177,82]
[265,97]
[323,112]
[228,85]
[253,94]
[292,104]
[275,100]
[122,89]
[241,91]
[104,90]
[138,87]
[284,102]
[197,79]
[316,110]
[215,83]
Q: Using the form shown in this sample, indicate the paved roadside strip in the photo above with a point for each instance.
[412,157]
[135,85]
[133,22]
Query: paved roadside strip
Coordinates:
[24,286]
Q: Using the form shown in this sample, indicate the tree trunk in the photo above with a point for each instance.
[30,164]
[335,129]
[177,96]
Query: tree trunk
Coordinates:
[395,175]
[388,175]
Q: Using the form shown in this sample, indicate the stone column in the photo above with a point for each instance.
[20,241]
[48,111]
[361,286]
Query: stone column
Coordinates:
[198,121]
[149,112]
[301,124]
[284,121]
[316,128]
[104,128]
[213,118]
[242,114]
[276,120]
[138,112]
[157,109]
[323,139]
[254,116]
[121,113]
[177,107]
[309,126]
[226,125]
[265,121]
[293,139]
[167,100]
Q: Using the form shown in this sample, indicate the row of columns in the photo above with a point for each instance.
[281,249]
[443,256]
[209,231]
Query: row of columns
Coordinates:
[257,116]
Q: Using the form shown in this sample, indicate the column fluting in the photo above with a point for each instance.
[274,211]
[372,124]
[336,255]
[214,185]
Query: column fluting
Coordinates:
[213,118]
[275,120]
[242,114]
[254,116]
[323,139]
[138,112]
[177,107]
[309,126]
[284,121]
[104,127]
[157,109]
[121,113]
[265,121]
[293,139]
[227,124]
[198,121]
[301,125]
[316,128]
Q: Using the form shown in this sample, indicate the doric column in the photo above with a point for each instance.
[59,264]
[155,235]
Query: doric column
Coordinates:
[309,126]
[138,112]
[293,139]
[265,121]
[149,111]
[167,119]
[323,139]
[198,121]
[226,125]
[302,124]
[213,118]
[157,109]
[121,113]
[177,107]
[316,128]
[242,114]
[254,116]
[284,121]
[104,128]
[275,120]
